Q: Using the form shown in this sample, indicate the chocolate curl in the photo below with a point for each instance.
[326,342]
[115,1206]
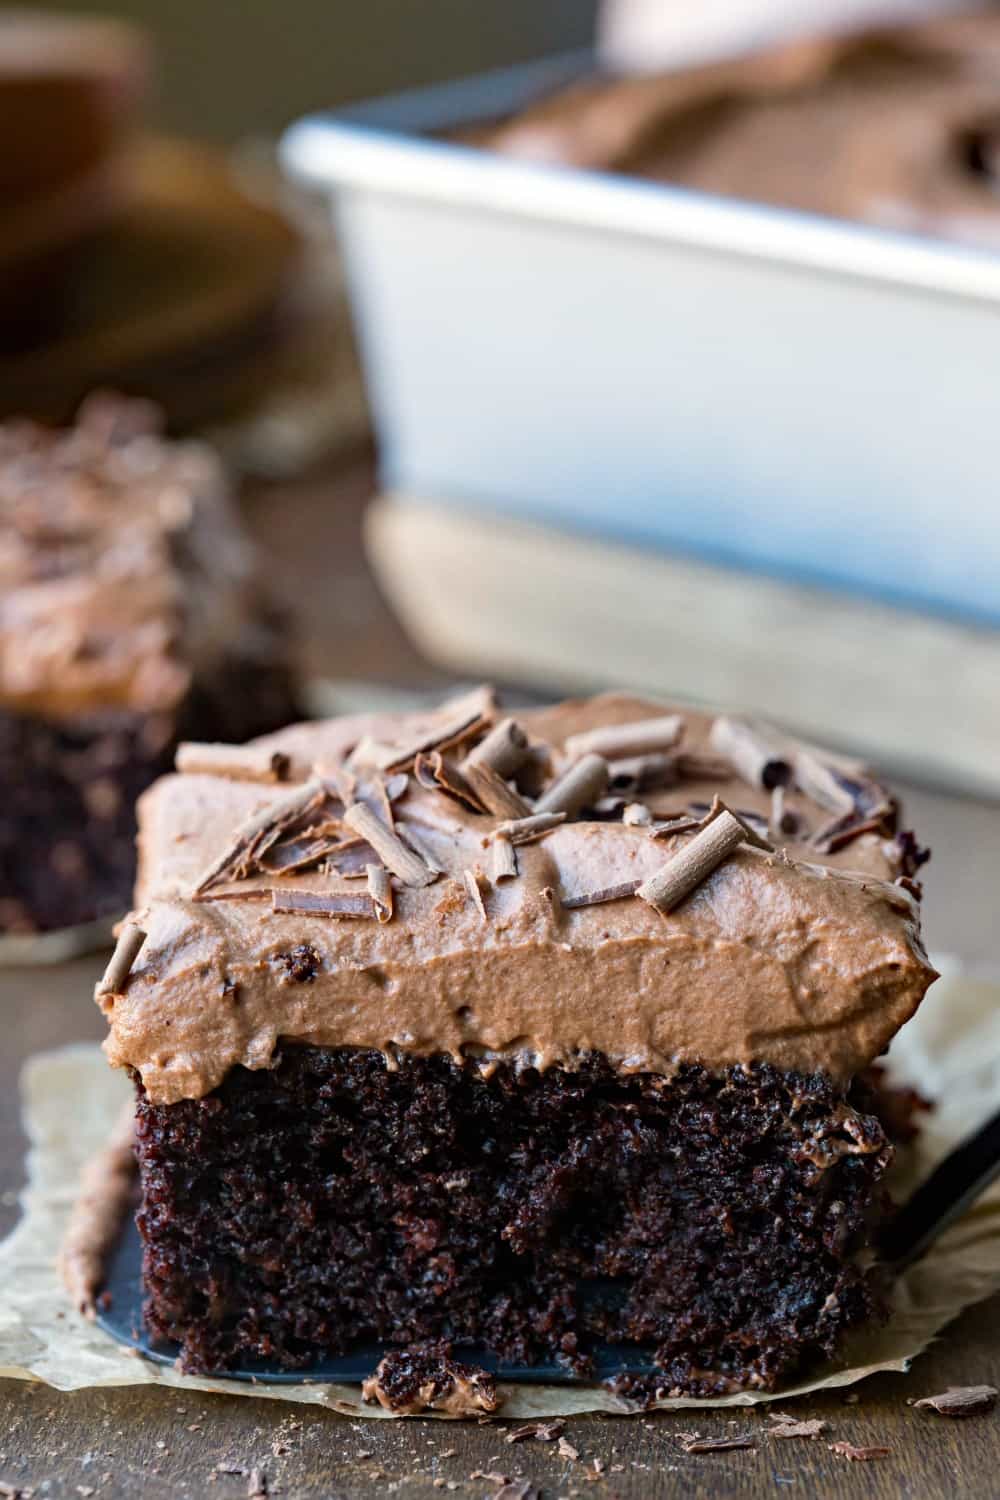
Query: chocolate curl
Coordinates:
[380,891]
[621,741]
[322,903]
[503,859]
[525,830]
[606,893]
[642,773]
[826,784]
[504,750]
[235,762]
[494,793]
[284,810]
[474,881]
[435,774]
[578,787]
[457,719]
[115,977]
[753,752]
[692,864]
[389,847]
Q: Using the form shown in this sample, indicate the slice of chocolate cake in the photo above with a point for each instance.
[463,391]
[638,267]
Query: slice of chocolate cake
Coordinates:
[520,1034]
[131,615]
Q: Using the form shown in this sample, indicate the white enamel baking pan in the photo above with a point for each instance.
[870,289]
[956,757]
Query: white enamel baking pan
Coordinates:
[792,394]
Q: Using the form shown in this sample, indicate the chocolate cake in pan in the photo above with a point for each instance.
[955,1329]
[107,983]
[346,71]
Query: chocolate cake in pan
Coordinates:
[896,127]
[131,615]
[527,1033]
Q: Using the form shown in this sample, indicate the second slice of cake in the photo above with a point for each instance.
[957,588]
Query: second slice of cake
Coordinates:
[524,1034]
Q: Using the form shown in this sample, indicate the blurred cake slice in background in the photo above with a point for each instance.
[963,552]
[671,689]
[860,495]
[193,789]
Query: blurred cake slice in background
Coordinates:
[133,613]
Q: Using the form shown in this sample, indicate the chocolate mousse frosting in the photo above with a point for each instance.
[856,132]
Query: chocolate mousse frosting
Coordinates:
[457,882]
[123,571]
[898,127]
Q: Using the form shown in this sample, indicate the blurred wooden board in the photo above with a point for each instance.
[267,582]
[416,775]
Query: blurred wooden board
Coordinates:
[179,300]
[486,594]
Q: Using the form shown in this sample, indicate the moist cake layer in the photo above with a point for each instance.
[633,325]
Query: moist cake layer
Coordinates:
[716,1220]
[805,955]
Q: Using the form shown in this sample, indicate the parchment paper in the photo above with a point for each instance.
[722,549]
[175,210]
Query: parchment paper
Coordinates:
[951,1051]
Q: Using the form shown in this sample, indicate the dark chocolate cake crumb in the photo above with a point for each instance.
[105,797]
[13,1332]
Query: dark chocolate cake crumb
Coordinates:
[426,1378]
[299,1210]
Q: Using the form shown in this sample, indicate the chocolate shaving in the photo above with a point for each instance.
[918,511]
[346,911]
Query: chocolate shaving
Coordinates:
[753,751]
[642,773]
[607,893]
[699,765]
[504,750]
[857,1455]
[685,870]
[494,794]
[525,830]
[115,976]
[237,762]
[682,823]
[503,859]
[322,903]
[828,785]
[840,832]
[300,853]
[693,1442]
[708,810]
[618,741]
[542,1431]
[786,1426]
[961,1401]
[350,858]
[394,854]
[579,786]
[372,754]
[435,774]
[259,831]
[474,882]
[380,891]
[416,841]
[460,718]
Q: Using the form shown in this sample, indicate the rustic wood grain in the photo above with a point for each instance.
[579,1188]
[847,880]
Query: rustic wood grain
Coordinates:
[159,1443]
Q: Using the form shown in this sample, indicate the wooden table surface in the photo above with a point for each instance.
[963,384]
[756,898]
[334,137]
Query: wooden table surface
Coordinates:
[152,1442]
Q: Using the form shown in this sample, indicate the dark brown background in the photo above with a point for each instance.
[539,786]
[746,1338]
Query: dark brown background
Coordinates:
[142,1441]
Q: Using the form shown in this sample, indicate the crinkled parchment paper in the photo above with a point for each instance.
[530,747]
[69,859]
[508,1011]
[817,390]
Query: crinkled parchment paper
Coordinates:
[71,1099]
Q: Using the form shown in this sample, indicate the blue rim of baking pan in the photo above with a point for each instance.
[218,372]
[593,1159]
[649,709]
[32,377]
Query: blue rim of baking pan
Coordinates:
[372,144]
[119,1313]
